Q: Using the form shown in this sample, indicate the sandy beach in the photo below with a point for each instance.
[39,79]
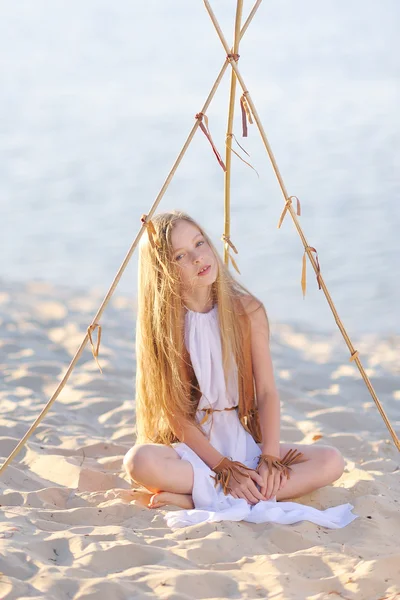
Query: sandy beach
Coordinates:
[70,525]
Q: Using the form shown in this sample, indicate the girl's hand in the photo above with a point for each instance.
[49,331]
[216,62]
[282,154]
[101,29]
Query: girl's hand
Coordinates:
[246,487]
[271,483]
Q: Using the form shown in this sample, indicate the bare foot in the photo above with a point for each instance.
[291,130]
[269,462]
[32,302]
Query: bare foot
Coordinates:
[164,498]
[140,497]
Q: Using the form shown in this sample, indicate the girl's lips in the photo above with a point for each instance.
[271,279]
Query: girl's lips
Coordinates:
[204,272]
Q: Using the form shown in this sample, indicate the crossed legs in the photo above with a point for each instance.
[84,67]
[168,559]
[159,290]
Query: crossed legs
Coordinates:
[161,471]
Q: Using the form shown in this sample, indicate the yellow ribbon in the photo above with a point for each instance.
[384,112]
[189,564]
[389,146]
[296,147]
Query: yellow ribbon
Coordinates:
[150,231]
[246,112]
[303,273]
[95,350]
[288,203]
[228,243]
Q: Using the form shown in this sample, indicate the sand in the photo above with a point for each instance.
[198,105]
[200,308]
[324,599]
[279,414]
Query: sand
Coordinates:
[70,525]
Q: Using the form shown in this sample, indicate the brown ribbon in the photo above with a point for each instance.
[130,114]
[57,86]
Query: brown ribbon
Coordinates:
[238,155]
[288,203]
[205,129]
[150,231]
[95,350]
[303,273]
[246,113]
[234,56]
[209,411]
[229,243]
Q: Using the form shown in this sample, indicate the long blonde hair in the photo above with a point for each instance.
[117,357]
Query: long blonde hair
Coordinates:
[166,387]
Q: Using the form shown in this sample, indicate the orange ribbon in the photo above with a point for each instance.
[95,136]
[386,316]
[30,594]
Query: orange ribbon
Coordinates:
[205,129]
[95,350]
[288,203]
[150,231]
[246,113]
[229,244]
[303,274]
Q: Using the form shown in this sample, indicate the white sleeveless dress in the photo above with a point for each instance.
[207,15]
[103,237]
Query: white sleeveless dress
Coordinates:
[226,433]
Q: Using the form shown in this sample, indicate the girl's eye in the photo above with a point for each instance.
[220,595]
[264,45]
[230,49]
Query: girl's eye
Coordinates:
[180,255]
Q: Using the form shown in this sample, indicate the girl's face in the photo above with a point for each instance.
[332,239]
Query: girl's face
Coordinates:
[193,255]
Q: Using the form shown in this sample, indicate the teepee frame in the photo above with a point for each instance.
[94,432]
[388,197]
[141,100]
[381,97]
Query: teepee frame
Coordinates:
[231,59]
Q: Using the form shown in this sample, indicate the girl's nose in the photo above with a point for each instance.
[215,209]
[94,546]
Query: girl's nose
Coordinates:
[197,258]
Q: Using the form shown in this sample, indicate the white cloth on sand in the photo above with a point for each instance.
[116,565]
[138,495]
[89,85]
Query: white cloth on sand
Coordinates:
[226,433]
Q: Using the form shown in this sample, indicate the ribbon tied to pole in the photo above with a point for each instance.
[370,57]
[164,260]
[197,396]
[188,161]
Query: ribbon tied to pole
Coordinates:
[288,203]
[154,242]
[205,129]
[303,273]
[231,135]
[246,113]
[229,244]
[95,349]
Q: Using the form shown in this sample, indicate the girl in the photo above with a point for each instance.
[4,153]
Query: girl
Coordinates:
[207,408]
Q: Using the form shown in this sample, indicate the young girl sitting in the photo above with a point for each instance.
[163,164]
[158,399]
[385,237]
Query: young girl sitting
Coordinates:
[207,408]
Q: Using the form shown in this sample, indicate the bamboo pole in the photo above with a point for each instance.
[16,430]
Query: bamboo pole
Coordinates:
[307,248]
[127,258]
[228,151]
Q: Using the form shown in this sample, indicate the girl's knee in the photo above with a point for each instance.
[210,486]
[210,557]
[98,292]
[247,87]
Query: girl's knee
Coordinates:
[138,460]
[333,462]
[144,461]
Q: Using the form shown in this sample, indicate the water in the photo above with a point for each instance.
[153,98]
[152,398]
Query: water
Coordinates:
[98,98]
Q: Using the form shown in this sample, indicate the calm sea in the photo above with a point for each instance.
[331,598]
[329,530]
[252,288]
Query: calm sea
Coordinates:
[97,99]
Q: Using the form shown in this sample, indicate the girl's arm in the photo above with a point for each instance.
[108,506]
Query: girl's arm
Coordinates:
[267,396]
[189,434]
[242,485]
